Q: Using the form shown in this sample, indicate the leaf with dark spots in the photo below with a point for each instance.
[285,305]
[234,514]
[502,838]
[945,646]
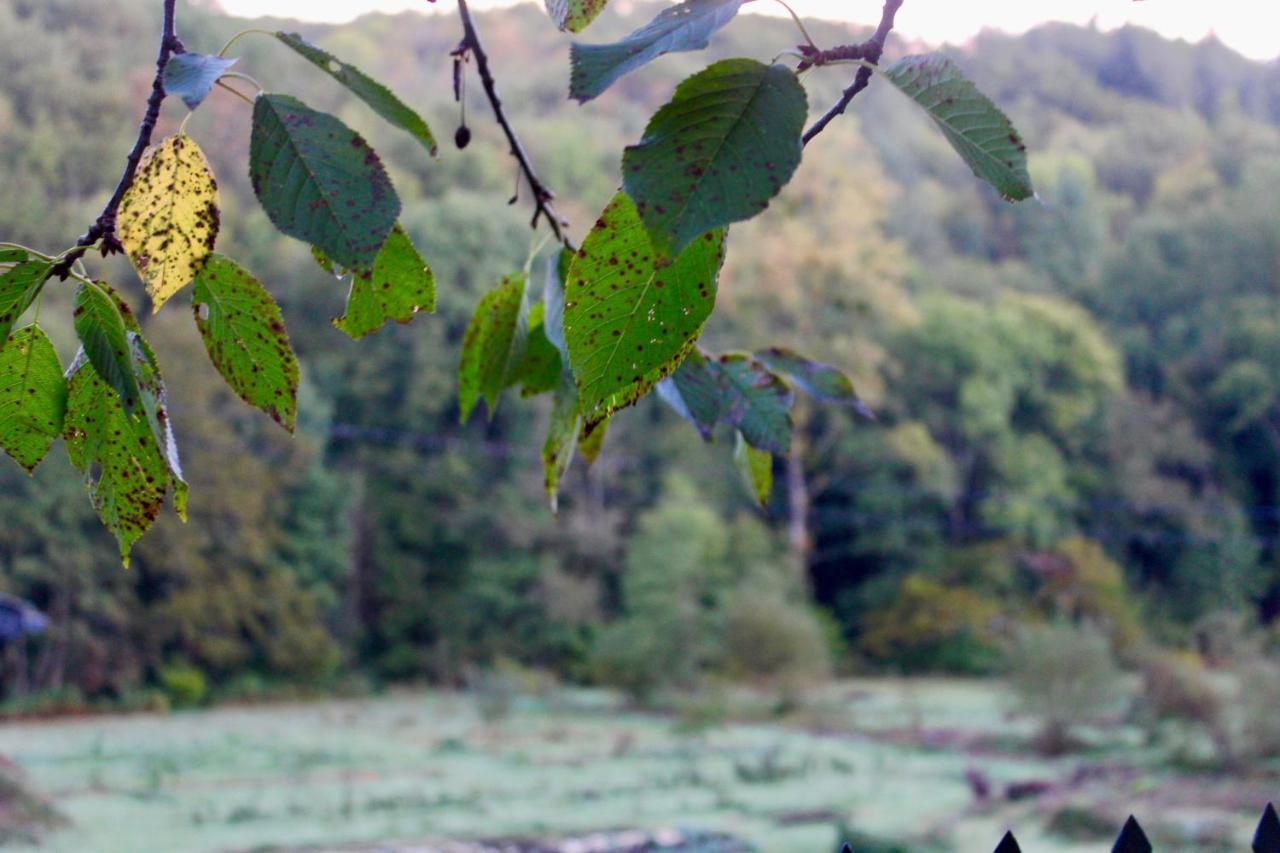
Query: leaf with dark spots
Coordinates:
[627,321]
[19,286]
[397,288]
[493,346]
[574,15]
[377,96]
[724,145]
[125,470]
[33,396]
[168,219]
[591,440]
[976,128]
[191,76]
[685,26]
[553,300]
[562,437]
[244,334]
[319,181]
[13,256]
[756,467]
[694,392]
[757,402]
[101,326]
[822,382]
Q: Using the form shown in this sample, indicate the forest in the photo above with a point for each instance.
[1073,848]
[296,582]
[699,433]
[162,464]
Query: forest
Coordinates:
[1071,403]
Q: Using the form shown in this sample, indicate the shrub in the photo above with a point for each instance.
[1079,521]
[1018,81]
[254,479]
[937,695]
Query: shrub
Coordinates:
[1259,704]
[773,640]
[1066,676]
[185,685]
[931,626]
[1175,690]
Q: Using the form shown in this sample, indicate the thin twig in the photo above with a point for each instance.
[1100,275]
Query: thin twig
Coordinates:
[870,51]
[542,196]
[104,228]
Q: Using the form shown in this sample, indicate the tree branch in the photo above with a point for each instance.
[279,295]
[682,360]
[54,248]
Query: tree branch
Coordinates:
[542,196]
[104,227]
[869,50]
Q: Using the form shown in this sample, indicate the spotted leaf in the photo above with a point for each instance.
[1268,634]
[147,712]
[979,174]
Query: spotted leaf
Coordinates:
[756,467]
[244,334]
[562,437]
[757,402]
[33,396]
[100,325]
[125,470]
[168,218]
[319,181]
[399,285]
[980,133]
[19,286]
[629,319]
[377,96]
[822,382]
[685,26]
[494,345]
[694,392]
[574,15]
[724,145]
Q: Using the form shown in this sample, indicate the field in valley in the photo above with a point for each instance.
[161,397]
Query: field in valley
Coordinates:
[900,761]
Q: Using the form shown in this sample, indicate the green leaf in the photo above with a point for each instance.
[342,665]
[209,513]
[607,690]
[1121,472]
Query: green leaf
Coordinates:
[717,152]
[574,15]
[398,287]
[822,382]
[757,402]
[100,325]
[493,346]
[539,370]
[756,467]
[562,437]
[319,181]
[33,396]
[627,322]
[168,219]
[125,471]
[591,440]
[19,286]
[244,334]
[377,96]
[191,76]
[155,405]
[694,392]
[976,128]
[685,26]
[13,256]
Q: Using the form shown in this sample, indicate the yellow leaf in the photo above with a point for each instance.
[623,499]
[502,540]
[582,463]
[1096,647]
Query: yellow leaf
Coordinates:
[168,218]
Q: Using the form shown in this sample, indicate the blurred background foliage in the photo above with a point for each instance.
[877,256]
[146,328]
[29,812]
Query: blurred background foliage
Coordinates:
[1078,397]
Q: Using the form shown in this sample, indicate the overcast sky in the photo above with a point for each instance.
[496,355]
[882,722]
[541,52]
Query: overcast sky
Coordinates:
[1250,26]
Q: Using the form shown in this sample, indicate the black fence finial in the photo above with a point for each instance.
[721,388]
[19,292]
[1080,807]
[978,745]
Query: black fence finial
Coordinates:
[1132,839]
[1008,844]
[1267,837]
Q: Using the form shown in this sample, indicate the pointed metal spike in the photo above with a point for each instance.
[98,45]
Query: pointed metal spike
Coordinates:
[1008,844]
[1267,837]
[1132,839]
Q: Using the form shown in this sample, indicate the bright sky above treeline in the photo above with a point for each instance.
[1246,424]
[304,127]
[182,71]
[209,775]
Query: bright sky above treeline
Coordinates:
[1251,27]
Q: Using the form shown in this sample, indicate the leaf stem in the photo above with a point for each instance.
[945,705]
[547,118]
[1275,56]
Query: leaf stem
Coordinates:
[30,251]
[233,90]
[799,25]
[870,50]
[104,228]
[542,196]
[235,38]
